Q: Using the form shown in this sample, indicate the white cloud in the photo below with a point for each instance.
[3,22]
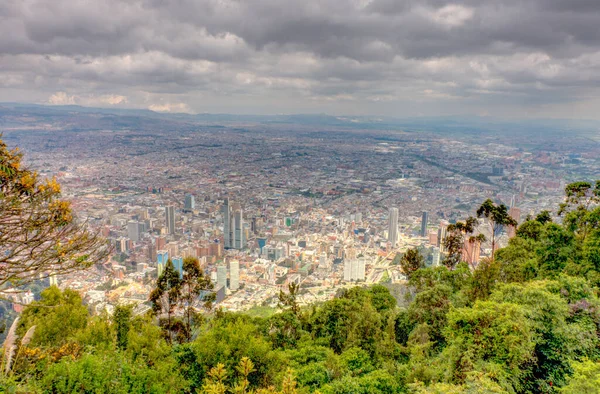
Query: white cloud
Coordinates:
[170,107]
[62,98]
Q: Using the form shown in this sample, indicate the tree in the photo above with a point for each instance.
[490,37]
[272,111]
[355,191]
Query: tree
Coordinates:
[585,380]
[497,216]
[289,299]
[579,198]
[411,261]
[165,298]
[57,317]
[122,322]
[493,336]
[544,217]
[454,243]
[40,235]
[194,282]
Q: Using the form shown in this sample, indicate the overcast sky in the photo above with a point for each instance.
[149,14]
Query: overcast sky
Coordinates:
[513,58]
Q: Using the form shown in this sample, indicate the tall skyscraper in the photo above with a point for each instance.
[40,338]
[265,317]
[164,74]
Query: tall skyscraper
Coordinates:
[133,231]
[393,226]
[228,239]
[221,275]
[239,240]
[170,217]
[424,220]
[190,202]
[234,275]
[233,226]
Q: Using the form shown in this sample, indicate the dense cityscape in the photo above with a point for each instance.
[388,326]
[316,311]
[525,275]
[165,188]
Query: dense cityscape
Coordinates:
[263,204]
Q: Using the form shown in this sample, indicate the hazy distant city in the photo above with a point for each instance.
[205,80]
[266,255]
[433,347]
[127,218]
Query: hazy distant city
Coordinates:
[262,202]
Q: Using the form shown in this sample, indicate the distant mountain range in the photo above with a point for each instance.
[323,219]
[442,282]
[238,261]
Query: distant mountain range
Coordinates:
[14,112]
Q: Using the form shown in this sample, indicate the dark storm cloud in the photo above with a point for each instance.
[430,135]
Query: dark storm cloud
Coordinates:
[185,53]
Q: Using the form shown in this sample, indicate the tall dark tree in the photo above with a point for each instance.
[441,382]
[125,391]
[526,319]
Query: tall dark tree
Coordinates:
[165,298]
[497,216]
[194,282]
[411,261]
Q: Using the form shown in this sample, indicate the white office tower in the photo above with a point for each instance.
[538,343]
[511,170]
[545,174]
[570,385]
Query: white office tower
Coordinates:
[133,231]
[228,239]
[436,257]
[170,218]
[354,270]
[190,202]
[221,276]
[393,227]
[234,275]
[239,240]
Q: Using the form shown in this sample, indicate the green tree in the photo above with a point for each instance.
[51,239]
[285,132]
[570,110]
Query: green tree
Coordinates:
[454,243]
[497,216]
[490,337]
[585,380]
[40,235]
[579,198]
[165,298]
[58,316]
[553,339]
[411,261]
[122,322]
[194,282]
[290,299]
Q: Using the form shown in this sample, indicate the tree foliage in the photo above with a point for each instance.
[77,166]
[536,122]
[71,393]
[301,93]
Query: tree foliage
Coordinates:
[411,261]
[40,235]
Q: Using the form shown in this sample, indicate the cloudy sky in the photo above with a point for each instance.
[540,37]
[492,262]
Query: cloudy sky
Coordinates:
[515,58]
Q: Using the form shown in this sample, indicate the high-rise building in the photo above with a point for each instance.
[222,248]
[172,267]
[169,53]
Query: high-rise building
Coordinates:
[233,226]
[239,241]
[393,226]
[441,239]
[471,252]
[354,270]
[221,275]
[227,230]
[178,265]
[424,220]
[234,275]
[133,231]
[190,203]
[162,256]
[170,217]
[122,245]
[436,257]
